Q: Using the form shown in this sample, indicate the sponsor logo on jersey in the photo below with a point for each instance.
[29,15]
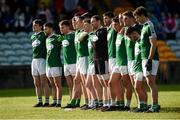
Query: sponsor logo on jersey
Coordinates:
[50,47]
[36,43]
[108,36]
[137,50]
[95,38]
[65,43]
[118,43]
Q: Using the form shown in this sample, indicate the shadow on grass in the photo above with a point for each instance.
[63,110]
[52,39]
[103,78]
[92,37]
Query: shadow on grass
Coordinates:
[170,109]
[23,92]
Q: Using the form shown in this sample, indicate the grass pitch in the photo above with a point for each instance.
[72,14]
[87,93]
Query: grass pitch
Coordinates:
[17,104]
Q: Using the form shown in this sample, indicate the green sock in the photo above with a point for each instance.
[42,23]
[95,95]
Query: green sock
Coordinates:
[120,103]
[78,102]
[86,101]
[55,101]
[95,102]
[100,102]
[46,100]
[58,101]
[73,102]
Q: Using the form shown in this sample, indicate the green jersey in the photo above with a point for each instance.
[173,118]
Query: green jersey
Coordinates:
[53,45]
[69,52]
[121,55]
[138,61]
[81,45]
[111,38]
[90,48]
[147,33]
[39,45]
[129,47]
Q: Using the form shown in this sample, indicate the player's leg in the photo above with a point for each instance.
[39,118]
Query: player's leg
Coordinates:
[69,80]
[151,81]
[98,90]
[46,89]
[141,92]
[38,89]
[57,81]
[37,83]
[128,90]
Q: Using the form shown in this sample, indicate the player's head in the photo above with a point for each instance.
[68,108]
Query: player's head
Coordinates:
[115,24]
[48,28]
[128,18]
[87,25]
[120,17]
[79,22]
[37,25]
[74,20]
[132,33]
[95,22]
[64,26]
[140,14]
[107,18]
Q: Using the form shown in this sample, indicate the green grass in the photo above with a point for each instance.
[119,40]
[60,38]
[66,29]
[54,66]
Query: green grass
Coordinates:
[17,104]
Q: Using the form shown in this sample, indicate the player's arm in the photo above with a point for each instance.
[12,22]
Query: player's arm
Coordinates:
[153,42]
[60,38]
[83,36]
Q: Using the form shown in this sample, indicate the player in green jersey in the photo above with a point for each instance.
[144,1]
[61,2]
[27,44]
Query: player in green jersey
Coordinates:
[133,34]
[53,63]
[149,54]
[69,53]
[38,65]
[92,96]
[111,38]
[129,20]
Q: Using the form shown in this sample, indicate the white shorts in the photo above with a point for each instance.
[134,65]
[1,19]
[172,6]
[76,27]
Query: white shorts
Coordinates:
[70,69]
[123,70]
[103,77]
[91,70]
[138,76]
[82,65]
[53,71]
[130,67]
[38,67]
[155,65]
[112,64]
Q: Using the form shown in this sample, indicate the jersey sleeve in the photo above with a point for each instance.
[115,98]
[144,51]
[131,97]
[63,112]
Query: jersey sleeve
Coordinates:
[152,31]
[60,38]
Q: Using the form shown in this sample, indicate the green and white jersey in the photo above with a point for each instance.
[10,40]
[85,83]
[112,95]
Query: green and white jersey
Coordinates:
[90,48]
[53,45]
[138,61]
[69,52]
[111,38]
[121,55]
[39,45]
[129,46]
[81,46]
[147,33]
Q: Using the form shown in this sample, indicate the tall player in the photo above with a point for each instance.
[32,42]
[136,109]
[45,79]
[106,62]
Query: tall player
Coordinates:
[149,54]
[38,65]
[53,63]
[69,53]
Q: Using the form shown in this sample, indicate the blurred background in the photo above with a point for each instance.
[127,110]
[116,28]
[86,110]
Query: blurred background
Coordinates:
[16,18]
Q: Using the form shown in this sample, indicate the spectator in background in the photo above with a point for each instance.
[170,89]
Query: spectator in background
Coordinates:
[170,26]
[7,18]
[160,6]
[28,19]
[161,32]
[92,8]
[19,19]
[44,13]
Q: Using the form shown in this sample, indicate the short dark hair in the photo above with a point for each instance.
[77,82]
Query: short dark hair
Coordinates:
[65,22]
[87,20]
[110,14]
[140,11]
[115,19]
[87,15]
[129,14]
[97,17]
[38,21]
[49,24]
[130,30]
